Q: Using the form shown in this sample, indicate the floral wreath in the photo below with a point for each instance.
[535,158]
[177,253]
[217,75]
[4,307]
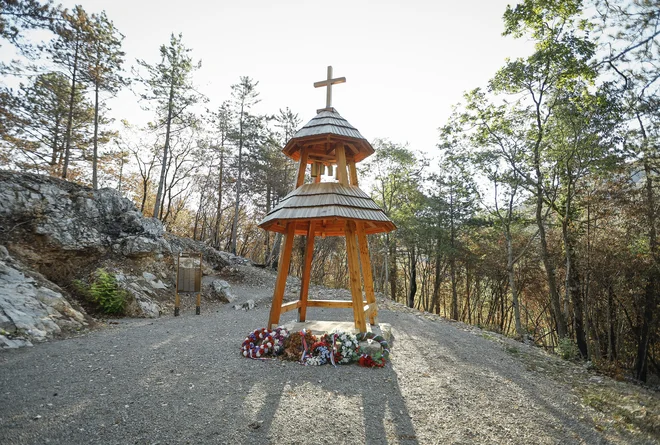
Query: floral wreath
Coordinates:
[337,347]
[378,360]
[258,343]
[344,345]
[319,354]
[279,335]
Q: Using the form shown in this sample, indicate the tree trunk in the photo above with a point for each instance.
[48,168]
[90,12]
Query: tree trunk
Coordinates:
[611,322]
[650,291]
[510,268]
[548,263]
[392,267]
[275,253]
[163,168]
[218,212]
[436,283]
[573,287]
[69,122]
[56,142]
[413,278]
[95,183]
[234,226]
[267,239]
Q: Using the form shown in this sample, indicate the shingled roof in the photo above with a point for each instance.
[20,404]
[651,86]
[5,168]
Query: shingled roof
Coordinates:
[323,133]
[330,203]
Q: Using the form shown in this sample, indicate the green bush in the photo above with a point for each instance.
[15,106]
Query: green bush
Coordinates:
[105,292]
[567,349]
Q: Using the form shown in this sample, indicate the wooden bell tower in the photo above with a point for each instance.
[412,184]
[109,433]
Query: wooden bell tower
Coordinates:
[328,143]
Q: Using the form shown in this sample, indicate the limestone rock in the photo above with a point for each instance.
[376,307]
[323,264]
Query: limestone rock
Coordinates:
[143,305]
[154,282]
[30,310]
[220,290]
[248,305]
[12,343]
[76,218]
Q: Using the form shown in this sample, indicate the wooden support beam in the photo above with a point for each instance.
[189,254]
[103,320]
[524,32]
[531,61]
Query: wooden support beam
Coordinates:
[341,164]
[354,273]
[365,262]
[307,269]
[302,167]
[337,304]
[282,273]
[353,172]
[291,305]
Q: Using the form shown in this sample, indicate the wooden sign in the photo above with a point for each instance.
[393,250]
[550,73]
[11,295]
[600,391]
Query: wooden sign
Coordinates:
[188,278]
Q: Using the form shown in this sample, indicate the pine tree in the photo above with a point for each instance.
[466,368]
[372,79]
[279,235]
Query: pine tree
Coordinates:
[17,16]
[169,86]
[40,113]
[70,51]
[245,96]
[103,72]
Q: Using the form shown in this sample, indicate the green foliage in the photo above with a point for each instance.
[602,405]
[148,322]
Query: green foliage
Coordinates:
[37,122]
[103,292]
[567,349]
[107,294]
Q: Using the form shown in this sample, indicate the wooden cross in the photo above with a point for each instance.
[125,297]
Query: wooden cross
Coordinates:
[329,82]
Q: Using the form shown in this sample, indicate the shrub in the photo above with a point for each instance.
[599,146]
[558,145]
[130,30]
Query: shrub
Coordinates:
[105,292]
[567,349]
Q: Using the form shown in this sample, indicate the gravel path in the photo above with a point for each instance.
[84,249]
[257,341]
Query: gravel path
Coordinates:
[182,381]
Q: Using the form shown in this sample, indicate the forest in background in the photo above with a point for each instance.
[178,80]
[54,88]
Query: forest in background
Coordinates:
[536,217]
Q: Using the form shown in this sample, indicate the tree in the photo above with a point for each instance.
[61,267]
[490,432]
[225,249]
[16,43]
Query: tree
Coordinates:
[630,33]
[103,71]
[169,86]
[458,190]
[561,57]
[222,120]
[17,16]
[397,174]
[280,183]
[245,96]
[74,33]
[40,115]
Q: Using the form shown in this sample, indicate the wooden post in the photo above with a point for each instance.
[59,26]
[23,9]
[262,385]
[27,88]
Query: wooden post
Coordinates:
[177,299]
[341,164]
[354,273]
[365,261]
[353,172]
[302,167]
[282,273]
[307,268]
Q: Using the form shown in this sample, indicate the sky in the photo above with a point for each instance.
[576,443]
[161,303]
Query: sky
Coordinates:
[406,62]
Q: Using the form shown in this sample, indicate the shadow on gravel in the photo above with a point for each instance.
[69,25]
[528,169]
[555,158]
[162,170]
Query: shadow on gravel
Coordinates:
[496,382]
[384,415]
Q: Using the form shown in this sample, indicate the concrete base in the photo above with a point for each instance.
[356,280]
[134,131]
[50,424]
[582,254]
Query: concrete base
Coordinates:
[319,327]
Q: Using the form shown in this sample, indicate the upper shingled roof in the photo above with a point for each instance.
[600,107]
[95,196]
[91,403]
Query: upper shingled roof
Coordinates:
[324,130]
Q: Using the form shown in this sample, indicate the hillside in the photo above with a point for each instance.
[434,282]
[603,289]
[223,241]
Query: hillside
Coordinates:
[183,380]
[55,239]
[153,378]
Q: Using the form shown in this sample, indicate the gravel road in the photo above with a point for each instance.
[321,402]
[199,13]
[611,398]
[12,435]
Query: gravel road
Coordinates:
[182,381]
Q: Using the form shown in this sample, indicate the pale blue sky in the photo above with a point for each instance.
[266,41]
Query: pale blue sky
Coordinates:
[406,62]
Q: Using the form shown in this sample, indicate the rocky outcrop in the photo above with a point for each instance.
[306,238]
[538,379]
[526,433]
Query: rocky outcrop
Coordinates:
[71,217]
[30,311]
[66,232]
